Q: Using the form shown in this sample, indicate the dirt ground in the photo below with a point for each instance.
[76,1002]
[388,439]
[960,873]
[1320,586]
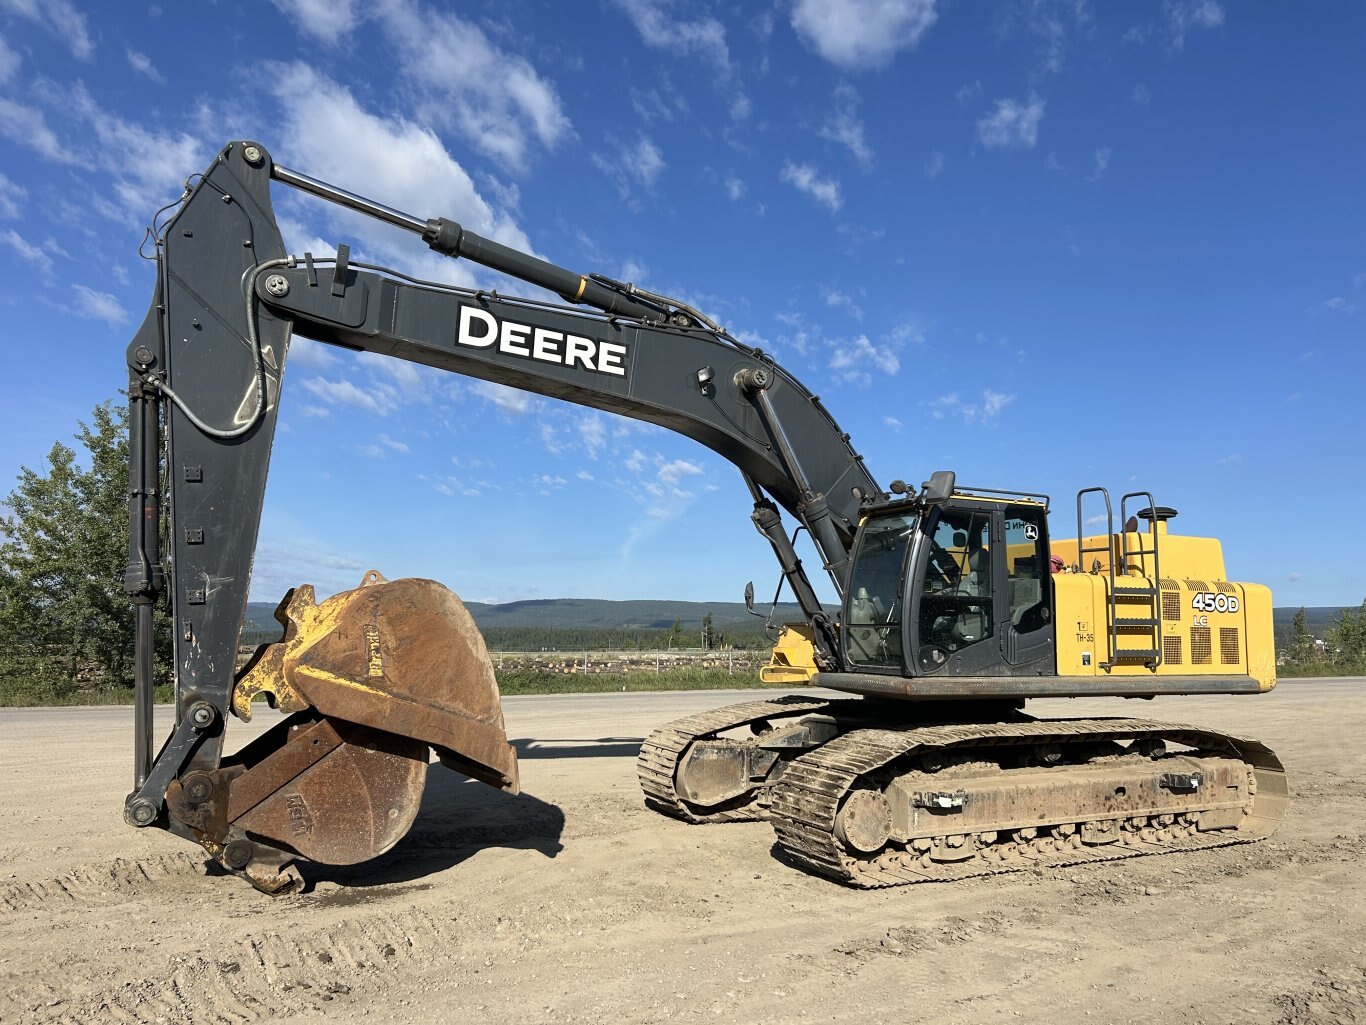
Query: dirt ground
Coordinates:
[573,903]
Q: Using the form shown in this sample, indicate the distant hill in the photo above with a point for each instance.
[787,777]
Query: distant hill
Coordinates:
[1318,620]
[730,618]
[581,614]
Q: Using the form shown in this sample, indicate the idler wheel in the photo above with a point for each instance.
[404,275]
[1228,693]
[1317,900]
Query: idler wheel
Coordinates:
[864,822]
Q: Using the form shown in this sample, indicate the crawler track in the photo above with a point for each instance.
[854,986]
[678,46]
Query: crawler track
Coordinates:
[807,798]
[660,754]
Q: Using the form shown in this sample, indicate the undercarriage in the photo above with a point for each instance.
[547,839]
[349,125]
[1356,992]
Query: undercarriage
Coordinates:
[951,791]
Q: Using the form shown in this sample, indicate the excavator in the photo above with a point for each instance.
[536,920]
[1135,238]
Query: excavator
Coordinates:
[915,761]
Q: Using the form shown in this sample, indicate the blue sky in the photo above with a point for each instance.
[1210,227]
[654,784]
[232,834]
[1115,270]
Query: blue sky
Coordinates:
[1044,244]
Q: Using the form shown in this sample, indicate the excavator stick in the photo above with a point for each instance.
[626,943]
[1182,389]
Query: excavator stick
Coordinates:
[372,678]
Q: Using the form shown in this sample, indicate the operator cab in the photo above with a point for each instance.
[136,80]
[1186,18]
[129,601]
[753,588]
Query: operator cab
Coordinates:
[955,584]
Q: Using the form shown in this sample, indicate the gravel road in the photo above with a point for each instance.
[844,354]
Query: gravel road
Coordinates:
[574,903]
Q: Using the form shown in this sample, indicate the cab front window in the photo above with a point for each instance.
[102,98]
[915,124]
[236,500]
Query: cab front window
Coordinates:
[873,617]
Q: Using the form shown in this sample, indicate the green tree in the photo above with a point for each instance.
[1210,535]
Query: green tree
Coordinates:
[1348,640]
[64,618]
[675,633]
[1301,650]
[708,633]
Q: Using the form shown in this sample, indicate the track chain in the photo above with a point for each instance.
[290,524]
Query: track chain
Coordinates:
[805,801]
[662,750]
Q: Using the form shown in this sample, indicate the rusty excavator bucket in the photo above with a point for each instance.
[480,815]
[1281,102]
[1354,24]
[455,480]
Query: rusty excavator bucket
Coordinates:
[372,678]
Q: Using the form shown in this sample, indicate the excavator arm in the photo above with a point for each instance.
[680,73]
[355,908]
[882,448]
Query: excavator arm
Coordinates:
[205,372]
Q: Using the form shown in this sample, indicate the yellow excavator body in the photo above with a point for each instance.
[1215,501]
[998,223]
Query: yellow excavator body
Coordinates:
[1207,625]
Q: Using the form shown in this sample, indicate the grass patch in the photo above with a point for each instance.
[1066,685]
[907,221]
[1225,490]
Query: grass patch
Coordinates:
[19,694]
[532,681]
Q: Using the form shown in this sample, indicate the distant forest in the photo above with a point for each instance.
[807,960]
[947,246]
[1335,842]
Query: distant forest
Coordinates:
[577,624]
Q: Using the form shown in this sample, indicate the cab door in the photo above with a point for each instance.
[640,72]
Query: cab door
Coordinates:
[954,626]
[1025,598]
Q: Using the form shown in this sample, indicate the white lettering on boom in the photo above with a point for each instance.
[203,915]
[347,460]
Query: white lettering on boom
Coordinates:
[480,329]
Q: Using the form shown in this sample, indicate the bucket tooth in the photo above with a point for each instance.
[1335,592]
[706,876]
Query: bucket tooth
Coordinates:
[264,674]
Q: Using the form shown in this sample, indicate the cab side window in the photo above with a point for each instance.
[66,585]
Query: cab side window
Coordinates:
[1027,568]
[956,606]
[873,623]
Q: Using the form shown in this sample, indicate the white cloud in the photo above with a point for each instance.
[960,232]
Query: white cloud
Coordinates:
[644,162]
[855,361]
[404,163]
[10,195]
[593,433]
[1337,304]
[1051,22]
[893,423]
[27,250]
[1357,282]
[584,475]
[660,28]
[845,128]
[635,462]
[630,166]
[735,188]
[281,564]
[9,61]
[980,411]
[142,64]
[861,34]
[393,444]
[1014,124]
[509,400]
[325,20]
[993,402]
[27,126]
[665,103]
[59,17]
[934,165]
[805,178]
[907,331]
[339,392]
[967,93]
[1185,16]
[842,300]
[308,353]
[671,473]
[495,98]
[1102,161]
[98,306]
[148,166]
[1142,95]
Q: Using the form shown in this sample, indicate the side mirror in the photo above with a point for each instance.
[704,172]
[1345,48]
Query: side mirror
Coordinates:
[939,488]
[749,597]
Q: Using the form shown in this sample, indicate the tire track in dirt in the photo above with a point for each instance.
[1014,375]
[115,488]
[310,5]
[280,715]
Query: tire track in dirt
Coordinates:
[101,884]
[263,975]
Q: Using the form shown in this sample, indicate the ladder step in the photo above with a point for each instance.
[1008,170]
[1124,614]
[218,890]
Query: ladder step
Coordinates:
[1134,592]
[1136,653]
[1147,624]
